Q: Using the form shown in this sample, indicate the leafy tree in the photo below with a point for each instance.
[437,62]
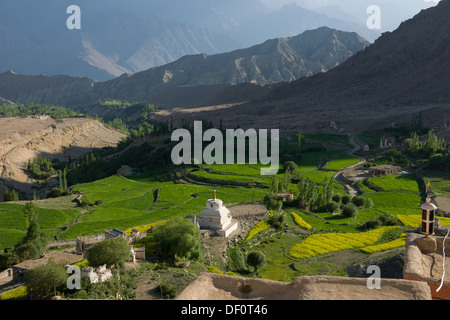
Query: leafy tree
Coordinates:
[272,203]
[41,168]
[285,183]
[44,279]
[273,185]
[346,199]
[179,238]
[256,260]
[368,203]
[7,259]
[277,221]
[112,252]
[387,219]
[35,241]
[372,223]
[336,198]
[10,196]
[431,146]
[349,210]
[290,166]
[358,201]
[53,193]
[332,206]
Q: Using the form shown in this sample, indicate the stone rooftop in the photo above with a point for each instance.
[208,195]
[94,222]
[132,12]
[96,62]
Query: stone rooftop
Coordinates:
[209,286]
[424,262]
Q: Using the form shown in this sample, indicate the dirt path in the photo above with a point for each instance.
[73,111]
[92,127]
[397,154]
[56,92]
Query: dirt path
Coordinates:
[350,175]
[247,216]
[443,203]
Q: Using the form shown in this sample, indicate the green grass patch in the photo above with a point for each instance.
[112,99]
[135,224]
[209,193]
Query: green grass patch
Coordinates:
[231,177]
[405,182]
[9,238]
[340,162]
[439,183]
[401,201]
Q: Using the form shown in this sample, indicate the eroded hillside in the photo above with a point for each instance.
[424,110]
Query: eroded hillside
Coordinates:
[22,139]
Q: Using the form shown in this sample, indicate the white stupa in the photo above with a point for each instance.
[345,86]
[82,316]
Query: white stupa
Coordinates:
[217,217]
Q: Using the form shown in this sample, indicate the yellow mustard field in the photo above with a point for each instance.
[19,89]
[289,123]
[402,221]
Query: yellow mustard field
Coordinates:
[416,220]
[400,242]
[300,222]
[318,244]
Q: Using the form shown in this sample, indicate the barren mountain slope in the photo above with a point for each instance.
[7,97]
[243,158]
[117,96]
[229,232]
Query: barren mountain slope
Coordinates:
[409,65]
[22,139]
[44,89]
[276,60]
[403,72]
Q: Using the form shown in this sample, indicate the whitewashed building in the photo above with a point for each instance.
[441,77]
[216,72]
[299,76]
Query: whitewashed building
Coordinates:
[217,217]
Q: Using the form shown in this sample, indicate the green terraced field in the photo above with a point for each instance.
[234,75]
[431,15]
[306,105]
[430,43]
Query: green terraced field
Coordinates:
[231,177]
[439,183]
[405,182]
[310,160]
[13,222]
[244,170]
[340,162]
[141,202]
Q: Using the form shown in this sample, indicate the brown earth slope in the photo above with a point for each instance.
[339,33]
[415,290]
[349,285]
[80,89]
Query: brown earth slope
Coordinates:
[22,139]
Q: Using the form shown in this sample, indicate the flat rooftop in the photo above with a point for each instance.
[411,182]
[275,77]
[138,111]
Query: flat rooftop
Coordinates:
[424,262]
[209,286]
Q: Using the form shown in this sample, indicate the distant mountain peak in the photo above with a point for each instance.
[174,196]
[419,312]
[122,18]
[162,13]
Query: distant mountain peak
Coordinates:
[274,61]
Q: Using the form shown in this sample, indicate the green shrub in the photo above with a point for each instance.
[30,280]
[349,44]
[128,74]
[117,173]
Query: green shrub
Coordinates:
[168,291]
[358,201]
[368,203]
[54,193]
[388,219]
[10,196]
[346,199]
[349,210]
[332,206]
[277,221]
[372,223]
[290,166]
[256,259]
[337,198]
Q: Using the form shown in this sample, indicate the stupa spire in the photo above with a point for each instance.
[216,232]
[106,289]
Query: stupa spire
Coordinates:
[214,194]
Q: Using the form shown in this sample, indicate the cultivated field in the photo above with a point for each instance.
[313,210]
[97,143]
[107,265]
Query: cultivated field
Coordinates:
[312,242]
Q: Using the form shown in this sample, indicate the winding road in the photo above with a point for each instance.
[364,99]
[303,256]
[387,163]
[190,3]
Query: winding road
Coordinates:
[339,177]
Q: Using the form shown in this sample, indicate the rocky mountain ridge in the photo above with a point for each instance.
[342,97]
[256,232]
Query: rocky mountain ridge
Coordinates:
[276,60]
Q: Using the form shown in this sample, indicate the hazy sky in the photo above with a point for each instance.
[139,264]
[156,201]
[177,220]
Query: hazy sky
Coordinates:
[393,12]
